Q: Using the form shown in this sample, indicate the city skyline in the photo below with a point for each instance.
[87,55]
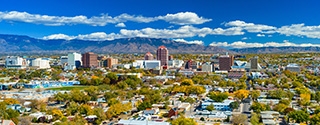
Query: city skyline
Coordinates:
[231,24]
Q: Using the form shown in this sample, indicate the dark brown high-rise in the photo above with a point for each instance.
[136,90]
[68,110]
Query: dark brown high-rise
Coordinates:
[162,55]
[225,62]
[89,60]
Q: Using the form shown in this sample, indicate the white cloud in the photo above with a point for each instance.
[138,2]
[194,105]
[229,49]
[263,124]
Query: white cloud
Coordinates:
[184,18]
[59,36]
[181,18]
[120,25]
[244,38]
[241,44]
[199,42]
[182,32]
[269,35]
[260,35]
[300,30]
[251,27]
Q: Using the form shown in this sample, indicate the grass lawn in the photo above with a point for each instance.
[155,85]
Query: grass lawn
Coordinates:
[67,88]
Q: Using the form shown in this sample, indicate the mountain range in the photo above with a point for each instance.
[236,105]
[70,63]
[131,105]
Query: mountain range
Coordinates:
[26,44]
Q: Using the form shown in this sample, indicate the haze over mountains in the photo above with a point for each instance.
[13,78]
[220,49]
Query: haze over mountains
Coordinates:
[25,44]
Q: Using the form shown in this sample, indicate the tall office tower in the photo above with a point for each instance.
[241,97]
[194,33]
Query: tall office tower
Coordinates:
[148,56]
[89,60]
[225,62]
[254,63]
[162,55]
[74,61]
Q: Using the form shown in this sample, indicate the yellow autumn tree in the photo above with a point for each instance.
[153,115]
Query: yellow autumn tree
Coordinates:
[304,99]
[10,101]
[241,94]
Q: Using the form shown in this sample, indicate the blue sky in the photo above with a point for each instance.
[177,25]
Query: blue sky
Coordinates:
[226,23]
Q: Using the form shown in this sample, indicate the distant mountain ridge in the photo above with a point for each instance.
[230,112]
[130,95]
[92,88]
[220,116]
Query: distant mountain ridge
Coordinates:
[25,44]
[287,49]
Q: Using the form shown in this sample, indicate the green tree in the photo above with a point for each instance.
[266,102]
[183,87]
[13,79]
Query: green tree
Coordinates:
[113,77]
[234,105]
[112,101]
[255,118]
[255,94]
[299,116]
[218,96]
[144,105]
[258,107]
[315,120]
[210,107]
[100,114]
[184,121]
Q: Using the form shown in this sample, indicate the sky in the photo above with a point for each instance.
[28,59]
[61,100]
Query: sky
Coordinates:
[223,23]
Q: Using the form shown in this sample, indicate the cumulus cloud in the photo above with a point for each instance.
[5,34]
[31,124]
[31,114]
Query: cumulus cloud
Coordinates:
[182,32]
[300,30]
[181,18]
[251,27]
[260,35]
[120,25]
[199,42]
[241,44]
[59,36]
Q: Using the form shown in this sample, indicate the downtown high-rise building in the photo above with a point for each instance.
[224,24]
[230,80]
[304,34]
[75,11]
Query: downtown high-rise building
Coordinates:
[89,60]
[254,63]
[225,62]
[162,55]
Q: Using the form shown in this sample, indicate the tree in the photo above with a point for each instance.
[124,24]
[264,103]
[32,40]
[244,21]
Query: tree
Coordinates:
[315,120]
[280,107]
[72,108]
[210,107]
[117,109]
[241,94]
[254,120]
[317,96]
[112,101]
[92,91]
[304,99]
[56,113]
[61,97]
[239,119]
[218,96]
[255,94]
[100,114]
[258,107]
[277,94]
[10,101]
[144,105]
[190,100]
[85,109]
[184,121]
[187,82]
[299,116]
[113,77]
[78,96]
[234,105]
